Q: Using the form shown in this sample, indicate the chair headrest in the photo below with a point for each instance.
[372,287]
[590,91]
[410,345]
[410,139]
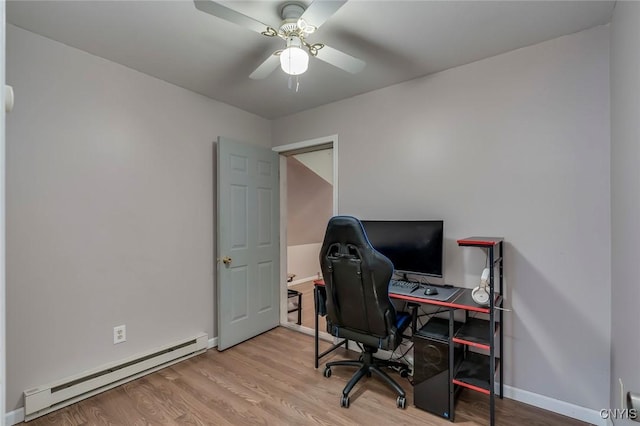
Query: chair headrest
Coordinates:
[346,230]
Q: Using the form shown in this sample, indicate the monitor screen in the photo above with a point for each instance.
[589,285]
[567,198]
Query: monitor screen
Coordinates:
[412,246]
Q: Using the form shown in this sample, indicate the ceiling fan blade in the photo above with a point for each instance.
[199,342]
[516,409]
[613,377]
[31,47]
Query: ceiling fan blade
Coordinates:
[319,11]
[223,12]
[265,68]
[341,60]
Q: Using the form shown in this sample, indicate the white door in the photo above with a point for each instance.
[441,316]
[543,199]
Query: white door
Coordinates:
[248,241]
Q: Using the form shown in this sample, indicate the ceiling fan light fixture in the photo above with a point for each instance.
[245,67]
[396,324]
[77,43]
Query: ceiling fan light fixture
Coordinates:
[305,28]
[294,60]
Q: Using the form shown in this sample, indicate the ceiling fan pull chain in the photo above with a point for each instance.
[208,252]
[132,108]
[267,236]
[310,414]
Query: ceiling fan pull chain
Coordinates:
[290,83]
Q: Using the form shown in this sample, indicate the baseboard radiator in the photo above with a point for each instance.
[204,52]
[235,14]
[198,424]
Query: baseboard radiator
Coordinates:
[45,399]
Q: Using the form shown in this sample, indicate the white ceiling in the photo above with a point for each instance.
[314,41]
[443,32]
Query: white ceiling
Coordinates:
[399,40]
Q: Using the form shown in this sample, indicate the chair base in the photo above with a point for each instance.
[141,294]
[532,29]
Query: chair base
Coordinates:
[367,365]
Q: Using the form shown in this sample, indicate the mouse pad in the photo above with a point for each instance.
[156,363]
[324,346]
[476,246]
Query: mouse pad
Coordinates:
[444,293]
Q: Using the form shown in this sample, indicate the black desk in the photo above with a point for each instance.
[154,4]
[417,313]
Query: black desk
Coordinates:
[461,300]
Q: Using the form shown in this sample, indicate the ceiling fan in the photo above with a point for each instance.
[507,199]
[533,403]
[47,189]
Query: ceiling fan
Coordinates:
[298,22]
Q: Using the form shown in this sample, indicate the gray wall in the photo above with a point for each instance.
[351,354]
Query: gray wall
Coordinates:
[309,207]
[625,199]
[518,146]
[110,211]
[309,204]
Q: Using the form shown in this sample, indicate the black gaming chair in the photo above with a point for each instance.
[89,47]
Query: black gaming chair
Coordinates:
[358,308]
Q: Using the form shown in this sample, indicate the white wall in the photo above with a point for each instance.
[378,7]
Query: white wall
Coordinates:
[110,210]
[302,260]
[517,146]
[321,162]
[625,199]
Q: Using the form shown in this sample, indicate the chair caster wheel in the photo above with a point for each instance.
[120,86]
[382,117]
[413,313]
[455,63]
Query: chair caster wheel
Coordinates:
[368,373]
[327,372]
[344,401]
[401,402]
[404,373]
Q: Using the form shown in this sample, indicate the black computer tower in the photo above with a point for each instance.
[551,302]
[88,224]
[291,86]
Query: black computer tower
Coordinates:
[431,381]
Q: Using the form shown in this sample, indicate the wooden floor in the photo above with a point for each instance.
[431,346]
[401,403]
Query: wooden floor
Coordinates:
[270,380]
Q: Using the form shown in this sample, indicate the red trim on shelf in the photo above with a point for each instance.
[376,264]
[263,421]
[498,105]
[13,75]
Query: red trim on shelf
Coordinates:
[480,241]
[469,343]
[472,387]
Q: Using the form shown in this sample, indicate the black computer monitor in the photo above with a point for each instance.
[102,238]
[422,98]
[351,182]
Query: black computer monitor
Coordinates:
[414,247]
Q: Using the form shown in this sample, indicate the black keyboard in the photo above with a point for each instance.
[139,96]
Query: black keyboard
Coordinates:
[403,287]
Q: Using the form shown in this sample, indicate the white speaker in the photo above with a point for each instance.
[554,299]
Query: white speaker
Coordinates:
[480,294]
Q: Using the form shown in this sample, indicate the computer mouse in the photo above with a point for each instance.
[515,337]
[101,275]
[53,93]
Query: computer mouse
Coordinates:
[431,291]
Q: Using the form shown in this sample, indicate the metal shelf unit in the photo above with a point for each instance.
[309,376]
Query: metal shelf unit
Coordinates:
[478,371]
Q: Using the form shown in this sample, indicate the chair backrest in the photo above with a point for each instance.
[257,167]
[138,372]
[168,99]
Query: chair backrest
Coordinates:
[357,278]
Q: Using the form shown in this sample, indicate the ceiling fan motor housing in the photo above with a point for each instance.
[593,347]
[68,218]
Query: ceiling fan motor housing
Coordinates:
[288,27]
[292,10]
[290,13]
[294,41]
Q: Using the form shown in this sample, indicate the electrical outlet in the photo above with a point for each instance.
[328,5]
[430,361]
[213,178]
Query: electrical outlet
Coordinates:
[119,334]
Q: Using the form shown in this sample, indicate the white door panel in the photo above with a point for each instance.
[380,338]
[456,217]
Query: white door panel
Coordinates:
[248,238]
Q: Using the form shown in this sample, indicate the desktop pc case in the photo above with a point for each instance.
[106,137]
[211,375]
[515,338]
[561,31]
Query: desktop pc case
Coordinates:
[431,381]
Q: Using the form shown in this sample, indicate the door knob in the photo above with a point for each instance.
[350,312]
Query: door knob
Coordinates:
[227,260]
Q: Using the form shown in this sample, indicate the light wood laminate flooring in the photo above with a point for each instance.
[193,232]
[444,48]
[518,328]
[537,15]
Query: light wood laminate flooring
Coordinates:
[270,380]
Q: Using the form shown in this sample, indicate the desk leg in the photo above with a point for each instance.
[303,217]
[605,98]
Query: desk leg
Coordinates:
[414,317]
[452,363]
[315,307]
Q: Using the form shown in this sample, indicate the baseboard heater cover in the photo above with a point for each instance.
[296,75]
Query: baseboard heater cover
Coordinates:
[45,399]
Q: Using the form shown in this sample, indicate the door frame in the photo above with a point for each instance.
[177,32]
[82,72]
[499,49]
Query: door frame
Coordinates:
[284,150]
[3,322]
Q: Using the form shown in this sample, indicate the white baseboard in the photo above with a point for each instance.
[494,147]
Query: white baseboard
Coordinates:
[302,280]
[14,417]
[17,416]
[565,408]
[213,343]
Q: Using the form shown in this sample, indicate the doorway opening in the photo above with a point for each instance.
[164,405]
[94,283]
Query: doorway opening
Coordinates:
[308,199]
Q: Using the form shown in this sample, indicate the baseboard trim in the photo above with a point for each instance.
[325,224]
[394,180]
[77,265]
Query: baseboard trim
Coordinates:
[17,416]
[212,343]
[14,417]
[302,280]
[560,407]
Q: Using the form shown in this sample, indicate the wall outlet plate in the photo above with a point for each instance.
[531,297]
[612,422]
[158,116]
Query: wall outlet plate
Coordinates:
[119,334]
